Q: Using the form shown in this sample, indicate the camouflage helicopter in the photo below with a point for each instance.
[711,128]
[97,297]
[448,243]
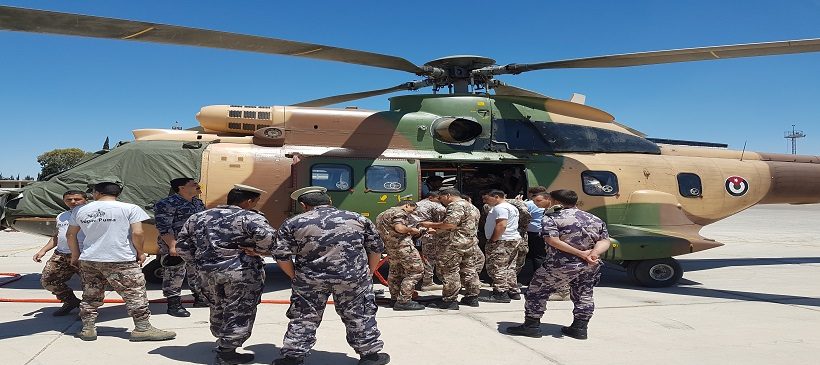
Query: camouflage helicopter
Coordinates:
[655,195]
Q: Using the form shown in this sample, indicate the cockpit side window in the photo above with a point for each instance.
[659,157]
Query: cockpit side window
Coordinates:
[385,179]
[599,183]
[689,185]
[334,177]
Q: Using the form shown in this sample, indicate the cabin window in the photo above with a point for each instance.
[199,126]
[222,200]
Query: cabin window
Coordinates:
[387,179]
[234,114]
[689,185]
[263,115]
[249,114]
[334,177]
[599,183]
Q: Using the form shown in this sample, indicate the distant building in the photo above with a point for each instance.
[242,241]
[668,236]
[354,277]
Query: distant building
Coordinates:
[11,184]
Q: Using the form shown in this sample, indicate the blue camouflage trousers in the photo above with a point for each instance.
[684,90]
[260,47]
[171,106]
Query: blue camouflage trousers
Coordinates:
[355,303]
[172,278]
[551,277]
[233,297]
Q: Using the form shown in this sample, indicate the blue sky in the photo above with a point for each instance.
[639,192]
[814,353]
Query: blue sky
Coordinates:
[59,92]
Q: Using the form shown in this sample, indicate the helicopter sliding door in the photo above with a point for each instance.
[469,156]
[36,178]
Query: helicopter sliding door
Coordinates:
[473,178]
[364,185]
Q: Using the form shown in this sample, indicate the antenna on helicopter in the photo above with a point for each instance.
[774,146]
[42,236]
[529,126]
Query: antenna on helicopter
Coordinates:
[744,150]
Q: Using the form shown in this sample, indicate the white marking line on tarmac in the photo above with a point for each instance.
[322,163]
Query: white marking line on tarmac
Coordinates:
[512,338]
[62,333]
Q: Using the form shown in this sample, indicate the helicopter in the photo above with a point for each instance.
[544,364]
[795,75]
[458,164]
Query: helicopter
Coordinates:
[474,130]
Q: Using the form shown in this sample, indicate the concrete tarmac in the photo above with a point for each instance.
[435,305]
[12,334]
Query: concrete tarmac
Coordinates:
[755,300]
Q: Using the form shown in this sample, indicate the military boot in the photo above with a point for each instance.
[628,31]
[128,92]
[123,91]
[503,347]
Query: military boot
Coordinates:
[410,305]
[144,331]
[175,308]
[378,358]
[289,361]
[67,307]
[199,301]
[578,329]
[231,357]
[495,297]
[88,333]
[514,296]
[530,328]
[444,304]
[471,301]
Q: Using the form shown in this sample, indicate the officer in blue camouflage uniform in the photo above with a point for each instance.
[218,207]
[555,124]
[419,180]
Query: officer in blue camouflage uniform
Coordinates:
[170,215]
[225,244]
[576,240]
[406,266]
[327,251]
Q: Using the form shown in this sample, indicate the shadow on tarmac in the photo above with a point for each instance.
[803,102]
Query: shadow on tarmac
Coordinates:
[547,329]
[614,277]
[707,264]
[203,353]
[41,321]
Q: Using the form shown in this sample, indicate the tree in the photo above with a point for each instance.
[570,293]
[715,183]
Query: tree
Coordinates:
[59,160]
[28,177]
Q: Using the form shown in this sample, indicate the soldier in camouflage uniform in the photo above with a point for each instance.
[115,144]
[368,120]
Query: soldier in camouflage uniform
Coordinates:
[58,269]
[111,255]
[576,240]
[429,210]
[170,214]
[519,254]
[523,221]
[503,239]
[406,267]
[327,251]
[458,257]
[224,245]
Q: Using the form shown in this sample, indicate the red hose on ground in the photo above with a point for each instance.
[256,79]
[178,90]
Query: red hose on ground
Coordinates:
[16,276]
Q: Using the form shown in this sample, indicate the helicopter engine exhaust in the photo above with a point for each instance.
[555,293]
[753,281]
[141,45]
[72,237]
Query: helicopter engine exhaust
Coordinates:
[456,129]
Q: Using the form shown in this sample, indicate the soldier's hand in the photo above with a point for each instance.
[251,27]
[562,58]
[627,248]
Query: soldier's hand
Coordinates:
[172,251]
[591,257]
[519,197]
[141,258]
[38,256]
[75,261]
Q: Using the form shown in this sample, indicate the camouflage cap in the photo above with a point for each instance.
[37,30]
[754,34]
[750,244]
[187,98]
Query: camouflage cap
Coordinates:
[309,189]
[248,188]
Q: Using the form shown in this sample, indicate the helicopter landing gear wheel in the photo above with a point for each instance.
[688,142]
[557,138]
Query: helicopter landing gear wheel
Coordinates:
[153,271]
[655,273]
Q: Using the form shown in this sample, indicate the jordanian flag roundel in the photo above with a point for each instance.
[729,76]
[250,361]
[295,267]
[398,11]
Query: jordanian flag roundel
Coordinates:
[736,186]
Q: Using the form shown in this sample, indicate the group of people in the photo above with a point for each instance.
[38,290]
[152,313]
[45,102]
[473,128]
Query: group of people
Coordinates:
[325,251]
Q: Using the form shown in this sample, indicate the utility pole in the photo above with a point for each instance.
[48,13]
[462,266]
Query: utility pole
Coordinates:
[793,136]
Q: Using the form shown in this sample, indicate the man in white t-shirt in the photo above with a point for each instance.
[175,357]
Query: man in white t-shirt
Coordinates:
[501,230]
[112,255]
[58,270]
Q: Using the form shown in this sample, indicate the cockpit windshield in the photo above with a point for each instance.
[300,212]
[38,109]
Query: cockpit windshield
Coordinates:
[536,136]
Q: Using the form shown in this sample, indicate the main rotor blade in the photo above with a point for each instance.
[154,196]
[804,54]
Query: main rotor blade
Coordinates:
[677,55]
[556,106]
[504,89]
[40,21]
[330,100]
